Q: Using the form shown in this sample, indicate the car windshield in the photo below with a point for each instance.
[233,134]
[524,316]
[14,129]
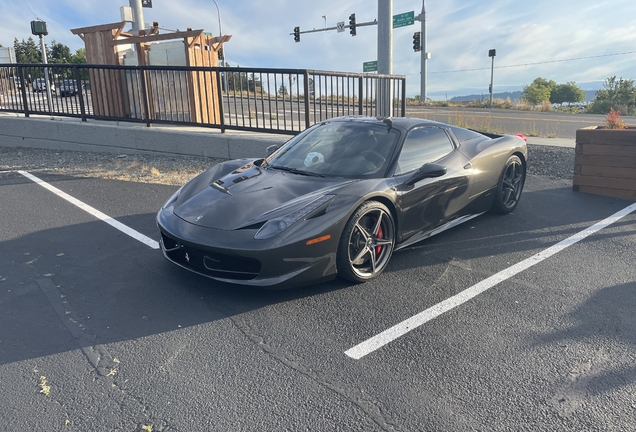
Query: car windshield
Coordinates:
[353,149]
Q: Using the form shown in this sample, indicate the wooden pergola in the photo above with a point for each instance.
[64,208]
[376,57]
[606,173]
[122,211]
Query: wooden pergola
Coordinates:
[109,90]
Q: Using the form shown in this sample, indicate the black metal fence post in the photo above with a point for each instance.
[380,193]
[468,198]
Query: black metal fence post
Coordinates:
[80,92]
[307,97]
[403,96]
[360,94]
[25,103]
[220,96]
[144,94]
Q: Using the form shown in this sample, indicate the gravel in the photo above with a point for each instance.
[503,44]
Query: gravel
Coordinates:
[553,162]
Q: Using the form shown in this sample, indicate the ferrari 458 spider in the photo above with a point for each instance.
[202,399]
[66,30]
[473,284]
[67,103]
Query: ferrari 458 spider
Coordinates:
[338,199]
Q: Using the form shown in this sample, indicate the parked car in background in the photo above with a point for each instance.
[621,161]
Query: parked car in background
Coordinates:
[18,83]
[68,87]
[39,85]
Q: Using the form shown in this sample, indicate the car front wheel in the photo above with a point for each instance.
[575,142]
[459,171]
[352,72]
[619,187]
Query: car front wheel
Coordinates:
[510,186]
[367,243]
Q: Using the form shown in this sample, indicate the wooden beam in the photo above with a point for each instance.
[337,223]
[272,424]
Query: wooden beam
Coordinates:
[98,28]
[194,40]
[118,33]
[159,37]
[222,39]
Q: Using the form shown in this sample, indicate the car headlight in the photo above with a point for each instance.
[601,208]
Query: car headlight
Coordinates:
[172,199]
[277,225]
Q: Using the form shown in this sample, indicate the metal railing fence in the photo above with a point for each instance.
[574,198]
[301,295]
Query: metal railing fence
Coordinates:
[256,99]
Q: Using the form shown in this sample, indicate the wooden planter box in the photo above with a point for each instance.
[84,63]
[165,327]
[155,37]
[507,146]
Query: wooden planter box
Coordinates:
[605,162]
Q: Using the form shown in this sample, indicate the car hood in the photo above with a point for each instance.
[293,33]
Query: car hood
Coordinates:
[251,195]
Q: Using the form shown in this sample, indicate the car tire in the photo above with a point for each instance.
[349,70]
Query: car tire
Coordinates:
[510,186]
[367,243]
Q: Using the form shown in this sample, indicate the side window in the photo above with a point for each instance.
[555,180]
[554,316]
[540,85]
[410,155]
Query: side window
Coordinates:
[423,145]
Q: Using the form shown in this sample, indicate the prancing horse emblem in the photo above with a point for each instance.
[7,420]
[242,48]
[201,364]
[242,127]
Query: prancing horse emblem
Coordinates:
[187,257]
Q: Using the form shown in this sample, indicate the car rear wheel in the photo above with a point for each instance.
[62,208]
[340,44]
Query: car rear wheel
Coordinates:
[367,243]
[510,186]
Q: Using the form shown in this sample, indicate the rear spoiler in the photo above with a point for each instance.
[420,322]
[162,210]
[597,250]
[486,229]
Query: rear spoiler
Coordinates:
[493,135]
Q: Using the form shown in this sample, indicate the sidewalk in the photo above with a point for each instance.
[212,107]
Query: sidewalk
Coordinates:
[555,142]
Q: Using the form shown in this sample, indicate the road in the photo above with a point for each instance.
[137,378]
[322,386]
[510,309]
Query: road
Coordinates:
[100,332]
[290,115]
[532,123]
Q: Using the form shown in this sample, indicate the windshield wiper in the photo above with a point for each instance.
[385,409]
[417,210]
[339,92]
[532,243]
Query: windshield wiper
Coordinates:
[295,171]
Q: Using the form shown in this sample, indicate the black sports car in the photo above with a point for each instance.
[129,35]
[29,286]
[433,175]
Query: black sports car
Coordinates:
[338,199]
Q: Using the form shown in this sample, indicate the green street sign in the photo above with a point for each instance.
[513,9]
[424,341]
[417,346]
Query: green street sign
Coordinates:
[371,66]
[404,19]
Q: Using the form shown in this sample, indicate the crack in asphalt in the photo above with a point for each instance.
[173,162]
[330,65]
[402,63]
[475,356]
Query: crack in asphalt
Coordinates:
[97,355]
[369,406]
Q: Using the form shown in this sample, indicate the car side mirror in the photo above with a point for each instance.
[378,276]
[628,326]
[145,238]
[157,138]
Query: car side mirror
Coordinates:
[271,149]
[428,170]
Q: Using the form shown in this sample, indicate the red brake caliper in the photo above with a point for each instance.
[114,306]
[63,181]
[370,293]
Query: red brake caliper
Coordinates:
[378,249]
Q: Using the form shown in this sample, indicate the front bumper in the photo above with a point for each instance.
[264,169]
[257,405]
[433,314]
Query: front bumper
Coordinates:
[236,257]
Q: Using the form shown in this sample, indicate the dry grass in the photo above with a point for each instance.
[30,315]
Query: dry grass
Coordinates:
[159,169]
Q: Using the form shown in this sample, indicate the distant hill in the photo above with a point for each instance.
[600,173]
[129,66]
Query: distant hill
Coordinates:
[589,96]
[484,97]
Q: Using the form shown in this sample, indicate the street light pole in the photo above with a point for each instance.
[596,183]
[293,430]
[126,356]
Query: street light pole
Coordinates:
[218,12]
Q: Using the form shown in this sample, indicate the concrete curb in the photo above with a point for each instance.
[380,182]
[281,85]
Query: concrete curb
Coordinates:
[121,138]
[56,134]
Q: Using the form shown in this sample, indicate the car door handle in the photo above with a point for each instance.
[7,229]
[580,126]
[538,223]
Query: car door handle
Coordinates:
[468,166]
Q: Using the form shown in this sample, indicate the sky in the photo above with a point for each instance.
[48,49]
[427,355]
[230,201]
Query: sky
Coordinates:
[459,35]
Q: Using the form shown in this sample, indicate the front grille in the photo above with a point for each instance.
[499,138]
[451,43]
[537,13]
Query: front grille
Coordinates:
[168,243]
[211,264]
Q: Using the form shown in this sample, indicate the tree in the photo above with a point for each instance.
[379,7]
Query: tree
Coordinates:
[568,92]
[59,53]
[618,94]
[27,51]
[539,91]
[282,90]
[79,57]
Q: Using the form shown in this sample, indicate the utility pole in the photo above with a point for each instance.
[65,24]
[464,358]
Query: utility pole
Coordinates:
[385,57]
[492,53]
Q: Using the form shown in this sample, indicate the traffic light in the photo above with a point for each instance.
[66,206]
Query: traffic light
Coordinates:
[296,34]
[352,24]
[220,54]
[417,41]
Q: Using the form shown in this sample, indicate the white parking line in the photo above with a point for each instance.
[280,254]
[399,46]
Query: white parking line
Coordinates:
[94,212]
[398,330]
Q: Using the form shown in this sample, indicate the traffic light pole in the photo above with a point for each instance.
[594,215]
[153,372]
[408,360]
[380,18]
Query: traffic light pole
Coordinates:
[423,55]
[385,51]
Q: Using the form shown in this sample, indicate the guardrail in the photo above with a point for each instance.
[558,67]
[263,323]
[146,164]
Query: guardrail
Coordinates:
[256,99]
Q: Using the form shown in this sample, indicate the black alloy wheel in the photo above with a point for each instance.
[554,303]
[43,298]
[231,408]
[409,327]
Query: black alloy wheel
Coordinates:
[510,186]
[367,243]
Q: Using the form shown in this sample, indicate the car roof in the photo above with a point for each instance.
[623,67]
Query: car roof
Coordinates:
[399,122]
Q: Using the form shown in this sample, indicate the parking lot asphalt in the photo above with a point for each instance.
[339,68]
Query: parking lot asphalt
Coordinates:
[99,332]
